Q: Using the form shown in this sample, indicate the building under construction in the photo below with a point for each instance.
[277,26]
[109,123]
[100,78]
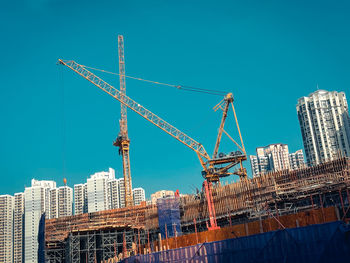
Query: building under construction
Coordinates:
[310,195]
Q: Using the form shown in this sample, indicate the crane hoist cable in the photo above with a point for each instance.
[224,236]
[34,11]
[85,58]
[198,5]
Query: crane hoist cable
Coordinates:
[63,121]
[180,87]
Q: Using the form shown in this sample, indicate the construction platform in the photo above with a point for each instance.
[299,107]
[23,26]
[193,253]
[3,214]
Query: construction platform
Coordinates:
[321,191]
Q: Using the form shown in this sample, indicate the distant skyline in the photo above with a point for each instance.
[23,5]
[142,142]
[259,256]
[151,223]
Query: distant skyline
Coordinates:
[55,124]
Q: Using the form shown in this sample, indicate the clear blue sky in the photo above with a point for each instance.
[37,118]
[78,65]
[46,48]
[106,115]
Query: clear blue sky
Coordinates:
[268,53]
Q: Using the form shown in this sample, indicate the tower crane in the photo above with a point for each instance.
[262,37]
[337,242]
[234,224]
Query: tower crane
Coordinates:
[213,168]
[122,140]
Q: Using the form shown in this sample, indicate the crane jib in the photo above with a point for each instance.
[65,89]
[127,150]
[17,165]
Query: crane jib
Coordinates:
[136,107]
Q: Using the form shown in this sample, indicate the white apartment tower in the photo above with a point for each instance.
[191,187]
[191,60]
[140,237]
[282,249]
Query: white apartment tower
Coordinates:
[121,191]
[274,157]
[65,201]
[37,200]
[113,194]
[278,156]
[80,199]
[296,160]
[138,195]
[6,228]
[325,126]
[18,228]
[61,202]
[53,194]
[100,191]
[259,162]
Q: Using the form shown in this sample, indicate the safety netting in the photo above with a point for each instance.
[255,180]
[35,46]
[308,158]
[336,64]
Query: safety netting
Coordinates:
[169,216]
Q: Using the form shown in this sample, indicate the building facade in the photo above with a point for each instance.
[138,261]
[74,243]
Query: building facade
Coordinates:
[161,194]
[102,191]
[6,228]
[121,192]
[80,199]
[325,126]
[36,207]
[113,194]
[53,194]
[259,163]
[61,202]
[274,157]
[18,228]
[138,195]
[97,194]
[296,160]
[65,201]
[101,188]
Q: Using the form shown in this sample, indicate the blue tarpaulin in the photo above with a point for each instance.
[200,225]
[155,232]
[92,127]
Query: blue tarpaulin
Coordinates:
[169,216]
[321,243]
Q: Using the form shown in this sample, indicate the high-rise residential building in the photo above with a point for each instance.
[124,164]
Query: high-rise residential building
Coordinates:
[259,164]
[36,206]
[61,202]
[121,192]
[6,228]
[254,163]
[65,201]
[274,157]
[53,194]
[325,126]
[102,191]
[80,199]
[113,189]
[97,194]
[99,191]
[161,194]
[138,195]
[278,156]
[296,160]
[18,228]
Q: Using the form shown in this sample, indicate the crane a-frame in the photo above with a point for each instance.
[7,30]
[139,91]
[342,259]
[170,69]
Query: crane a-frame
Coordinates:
[213,168]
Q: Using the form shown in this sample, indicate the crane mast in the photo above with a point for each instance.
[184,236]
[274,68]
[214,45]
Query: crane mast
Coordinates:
[122,140]
[123,118]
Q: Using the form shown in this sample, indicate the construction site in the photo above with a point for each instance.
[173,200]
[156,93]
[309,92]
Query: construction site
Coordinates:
[274,201]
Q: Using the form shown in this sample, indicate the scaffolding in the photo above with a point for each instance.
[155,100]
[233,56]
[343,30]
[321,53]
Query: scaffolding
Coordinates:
[283,190]
[119,233]
[95,246]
